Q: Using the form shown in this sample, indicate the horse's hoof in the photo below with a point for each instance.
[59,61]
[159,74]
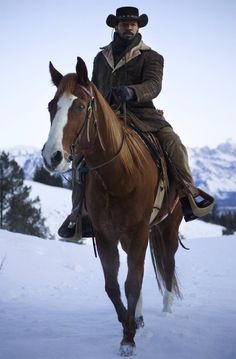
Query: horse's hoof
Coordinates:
[139,322]
[127,349]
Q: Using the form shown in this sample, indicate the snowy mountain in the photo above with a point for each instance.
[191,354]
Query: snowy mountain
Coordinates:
[28,158]
[214,169]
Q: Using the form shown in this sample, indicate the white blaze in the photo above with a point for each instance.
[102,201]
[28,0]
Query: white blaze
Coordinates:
[54,142]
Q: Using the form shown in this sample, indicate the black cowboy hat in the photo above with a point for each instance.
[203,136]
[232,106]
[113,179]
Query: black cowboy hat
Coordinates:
[127,13]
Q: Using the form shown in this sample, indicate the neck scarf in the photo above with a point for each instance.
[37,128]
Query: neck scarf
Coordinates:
[121,46]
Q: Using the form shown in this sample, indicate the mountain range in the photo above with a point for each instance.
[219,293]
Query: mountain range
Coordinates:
[213,169]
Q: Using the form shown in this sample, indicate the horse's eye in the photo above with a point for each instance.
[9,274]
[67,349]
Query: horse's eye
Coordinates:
[79,108]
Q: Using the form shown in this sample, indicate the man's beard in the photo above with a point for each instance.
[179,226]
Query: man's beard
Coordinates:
[128,36]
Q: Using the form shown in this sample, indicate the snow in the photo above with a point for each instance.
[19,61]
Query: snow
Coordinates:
[53,303]
[199,229]
[55,203]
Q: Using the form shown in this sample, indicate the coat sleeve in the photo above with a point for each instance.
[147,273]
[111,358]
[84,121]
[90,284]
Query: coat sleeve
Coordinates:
[152,74]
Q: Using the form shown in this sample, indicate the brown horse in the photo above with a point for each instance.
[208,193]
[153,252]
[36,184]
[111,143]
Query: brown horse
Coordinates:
[120,191]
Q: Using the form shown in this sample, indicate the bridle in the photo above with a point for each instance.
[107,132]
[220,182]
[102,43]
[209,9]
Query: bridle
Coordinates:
[91,112]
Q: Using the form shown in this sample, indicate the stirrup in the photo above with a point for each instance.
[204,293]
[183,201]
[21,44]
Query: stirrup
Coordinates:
[193,209]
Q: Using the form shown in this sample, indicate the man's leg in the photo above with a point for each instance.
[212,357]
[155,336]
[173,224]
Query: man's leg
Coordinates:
[73,220]
[192,198]
[177,153]
[75,226]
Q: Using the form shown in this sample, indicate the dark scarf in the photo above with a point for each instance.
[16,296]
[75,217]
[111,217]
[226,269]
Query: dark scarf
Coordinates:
[121,46]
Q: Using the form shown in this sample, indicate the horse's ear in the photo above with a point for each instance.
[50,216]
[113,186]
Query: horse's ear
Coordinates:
[55,75]
[82,72]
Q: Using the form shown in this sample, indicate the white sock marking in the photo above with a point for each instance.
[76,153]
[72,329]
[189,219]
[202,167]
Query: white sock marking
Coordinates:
[168,299]
[139,306]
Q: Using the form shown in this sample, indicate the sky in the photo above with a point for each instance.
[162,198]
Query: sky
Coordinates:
[196,37]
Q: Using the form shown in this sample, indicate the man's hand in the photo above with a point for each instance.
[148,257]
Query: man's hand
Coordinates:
[123,94]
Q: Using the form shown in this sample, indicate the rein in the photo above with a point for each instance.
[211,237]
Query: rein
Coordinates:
[91,111]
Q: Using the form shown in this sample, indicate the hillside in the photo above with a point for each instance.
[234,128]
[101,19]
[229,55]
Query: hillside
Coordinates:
[55,203]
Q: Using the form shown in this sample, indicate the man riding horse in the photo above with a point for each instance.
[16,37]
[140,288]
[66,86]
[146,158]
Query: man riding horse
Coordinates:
[127,70]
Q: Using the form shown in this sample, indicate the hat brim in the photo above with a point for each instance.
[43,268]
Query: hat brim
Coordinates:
[113,20]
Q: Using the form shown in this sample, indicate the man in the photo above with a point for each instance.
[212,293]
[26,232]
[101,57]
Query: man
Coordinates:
[129,71]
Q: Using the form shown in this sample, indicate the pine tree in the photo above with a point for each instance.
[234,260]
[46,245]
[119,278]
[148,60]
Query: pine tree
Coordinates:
[18,213]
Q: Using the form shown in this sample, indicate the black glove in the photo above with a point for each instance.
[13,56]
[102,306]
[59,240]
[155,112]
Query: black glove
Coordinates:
[123,94]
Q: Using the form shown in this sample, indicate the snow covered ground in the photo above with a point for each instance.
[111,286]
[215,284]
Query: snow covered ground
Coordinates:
[53,303]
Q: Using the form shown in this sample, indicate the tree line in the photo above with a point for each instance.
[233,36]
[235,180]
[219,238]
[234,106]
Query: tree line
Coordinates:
[226,219]
[18,211]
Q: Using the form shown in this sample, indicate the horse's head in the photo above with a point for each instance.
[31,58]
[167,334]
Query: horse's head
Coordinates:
[68,111]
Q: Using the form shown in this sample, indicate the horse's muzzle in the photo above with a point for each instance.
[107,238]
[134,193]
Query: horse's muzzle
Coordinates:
[53,161]
[56,158]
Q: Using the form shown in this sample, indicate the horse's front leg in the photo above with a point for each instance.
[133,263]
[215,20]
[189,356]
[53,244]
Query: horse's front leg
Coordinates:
[138,313]
[109,256]
[133,284]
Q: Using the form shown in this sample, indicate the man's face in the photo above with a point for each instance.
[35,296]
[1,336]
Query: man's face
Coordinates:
[127,29]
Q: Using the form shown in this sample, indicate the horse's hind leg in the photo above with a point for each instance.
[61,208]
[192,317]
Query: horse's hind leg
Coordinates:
[169,232]
[169,267]
[109,256]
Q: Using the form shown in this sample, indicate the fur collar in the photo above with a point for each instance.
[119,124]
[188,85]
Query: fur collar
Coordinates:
[131,54]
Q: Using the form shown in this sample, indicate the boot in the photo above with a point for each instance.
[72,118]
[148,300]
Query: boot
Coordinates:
[196,204]
[71,229]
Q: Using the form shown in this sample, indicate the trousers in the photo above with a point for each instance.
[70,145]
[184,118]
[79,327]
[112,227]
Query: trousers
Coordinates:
[178,157]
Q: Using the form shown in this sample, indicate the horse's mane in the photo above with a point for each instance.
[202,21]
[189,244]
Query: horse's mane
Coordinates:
[132,152]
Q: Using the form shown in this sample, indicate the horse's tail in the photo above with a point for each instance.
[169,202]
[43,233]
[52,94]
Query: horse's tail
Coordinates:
[158,254]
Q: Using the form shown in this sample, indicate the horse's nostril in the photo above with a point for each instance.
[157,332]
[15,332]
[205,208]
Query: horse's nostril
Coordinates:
[56,158]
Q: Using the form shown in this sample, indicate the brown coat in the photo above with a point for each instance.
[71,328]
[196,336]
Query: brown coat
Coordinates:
[141,69]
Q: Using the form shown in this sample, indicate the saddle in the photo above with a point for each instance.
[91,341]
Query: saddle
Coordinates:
[166,195]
